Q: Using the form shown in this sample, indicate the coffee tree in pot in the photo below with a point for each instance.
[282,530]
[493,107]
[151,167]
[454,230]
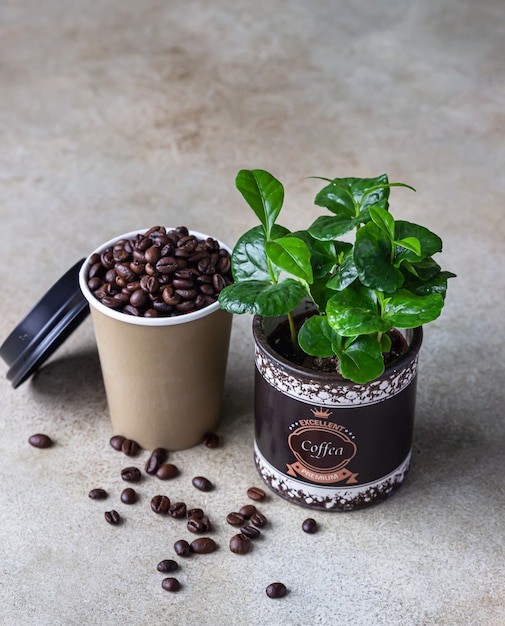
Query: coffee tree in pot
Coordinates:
[386,278]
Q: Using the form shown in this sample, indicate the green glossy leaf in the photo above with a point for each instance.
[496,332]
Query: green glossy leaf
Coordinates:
[370,191]
[430,242]
[384,220]
[261,297]
[434,284]
[372,257]
[362,359]
[329,227]
[323,254]
[292,255]
[410,243]
[249,259]
[317,338]
[353,312]
[263,193]
[408,310]
[337,197]
[345,275]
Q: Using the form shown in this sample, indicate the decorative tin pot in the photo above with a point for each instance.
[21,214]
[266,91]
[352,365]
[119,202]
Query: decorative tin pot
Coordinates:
[325,442]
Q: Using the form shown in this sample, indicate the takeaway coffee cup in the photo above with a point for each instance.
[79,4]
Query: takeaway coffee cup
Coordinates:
[164,376]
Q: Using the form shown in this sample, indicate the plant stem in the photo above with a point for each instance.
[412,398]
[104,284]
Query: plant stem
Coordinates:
[292,331]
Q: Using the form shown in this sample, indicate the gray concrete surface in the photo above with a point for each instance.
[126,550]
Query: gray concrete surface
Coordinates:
[119,115]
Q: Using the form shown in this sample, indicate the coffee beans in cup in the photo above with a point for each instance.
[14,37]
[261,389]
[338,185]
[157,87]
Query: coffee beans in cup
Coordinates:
[160,273]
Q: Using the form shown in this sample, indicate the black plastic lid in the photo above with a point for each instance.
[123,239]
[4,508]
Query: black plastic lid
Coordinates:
[46,327]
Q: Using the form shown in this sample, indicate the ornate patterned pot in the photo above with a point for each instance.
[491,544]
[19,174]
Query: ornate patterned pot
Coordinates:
[327,443]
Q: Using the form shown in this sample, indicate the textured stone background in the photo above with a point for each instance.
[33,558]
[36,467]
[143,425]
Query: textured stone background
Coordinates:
[118,115]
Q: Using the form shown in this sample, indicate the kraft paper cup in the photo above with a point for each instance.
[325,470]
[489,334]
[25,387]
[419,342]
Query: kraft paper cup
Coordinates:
[164,377]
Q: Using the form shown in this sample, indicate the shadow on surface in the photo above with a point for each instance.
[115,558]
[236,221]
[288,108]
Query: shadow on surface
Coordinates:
[76,380]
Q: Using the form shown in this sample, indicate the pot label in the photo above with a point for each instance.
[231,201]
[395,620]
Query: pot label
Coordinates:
[322,450]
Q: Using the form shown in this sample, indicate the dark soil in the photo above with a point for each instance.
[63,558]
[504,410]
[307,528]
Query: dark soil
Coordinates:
[280,341]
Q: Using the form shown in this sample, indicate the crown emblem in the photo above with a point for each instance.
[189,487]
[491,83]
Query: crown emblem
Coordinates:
[320,412]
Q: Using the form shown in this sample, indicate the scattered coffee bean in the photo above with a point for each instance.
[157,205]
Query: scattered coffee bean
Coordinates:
[258,519]
[202,483]
[276,590]
[157,458]
[40,441]
[112,517]
[177,510]
[203,545]
[167,565]
[195,525]
[240,544]
[128,496]
[167,471]
[211,440]
[250,532]
[255,493]
[170,584]
[235,519]
[248,510]
[309,526]
[116,442]
[199,524]
[130,447]
[131,474]
[160,504]
[182,547]
[195,513]
[97,494]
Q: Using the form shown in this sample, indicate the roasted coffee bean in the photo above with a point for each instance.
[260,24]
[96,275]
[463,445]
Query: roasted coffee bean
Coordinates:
[211,440]
[203,545]
[240,544]
[218,283]
[247,510]
[186,307]
[167,565]
[139,299]
[182,547]
[167,471]
[250,532]
[170,297]
[276,590]
[40,440]
[258,519]
[117,442]
[235,519]
[128,496]
[157,458]
[112,517]
[202,483]
[195,525]
[177,510]
[166,265]
[309,526]
[255,493]
[196,513]
[153,254]
[131,310]
[170,584]
[131,474]
[130,447]
[94,283]
[160,504]
[97,494]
